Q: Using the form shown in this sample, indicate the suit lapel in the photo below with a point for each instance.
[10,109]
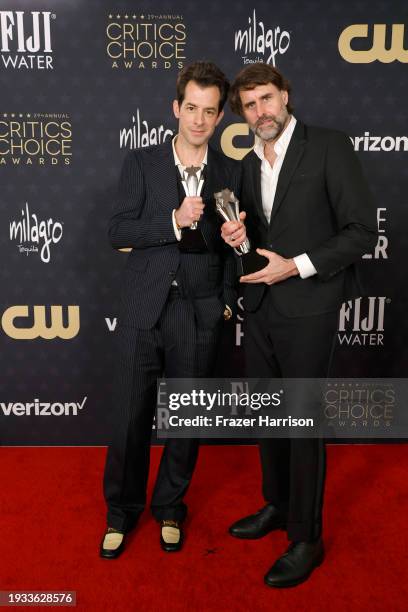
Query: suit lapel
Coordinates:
[163,175]
[293,156]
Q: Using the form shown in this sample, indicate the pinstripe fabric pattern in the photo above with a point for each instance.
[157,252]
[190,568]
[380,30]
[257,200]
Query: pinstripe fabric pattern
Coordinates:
[176,347]
[162,330]
[141,219]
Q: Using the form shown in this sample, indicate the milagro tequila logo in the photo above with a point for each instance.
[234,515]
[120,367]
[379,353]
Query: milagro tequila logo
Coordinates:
[264,44]
[25,40]
[140,134]
[34,236]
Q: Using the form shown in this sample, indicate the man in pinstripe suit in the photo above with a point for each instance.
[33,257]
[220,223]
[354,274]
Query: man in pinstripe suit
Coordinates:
[178,286]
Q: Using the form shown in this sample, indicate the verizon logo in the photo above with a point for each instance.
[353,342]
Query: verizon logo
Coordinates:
[37,408]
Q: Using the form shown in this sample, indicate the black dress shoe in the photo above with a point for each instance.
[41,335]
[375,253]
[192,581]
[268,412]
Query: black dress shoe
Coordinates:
[259,524]
[113,544]
[296,565]
[171,536]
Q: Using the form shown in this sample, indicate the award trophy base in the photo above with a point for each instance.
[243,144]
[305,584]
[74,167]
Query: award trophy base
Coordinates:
[250,262]
[192,241]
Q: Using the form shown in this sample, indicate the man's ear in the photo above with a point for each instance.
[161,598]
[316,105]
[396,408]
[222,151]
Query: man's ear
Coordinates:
[285,97]
[220,116]
[176,109]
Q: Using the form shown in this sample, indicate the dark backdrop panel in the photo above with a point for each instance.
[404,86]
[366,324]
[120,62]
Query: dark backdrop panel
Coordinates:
[70,111]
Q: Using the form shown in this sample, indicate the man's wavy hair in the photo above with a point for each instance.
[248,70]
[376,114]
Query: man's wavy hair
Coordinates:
[205,74]
[253,75]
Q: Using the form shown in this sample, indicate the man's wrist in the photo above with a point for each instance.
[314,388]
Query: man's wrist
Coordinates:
[293,268]
[176,220]
[176,227]
[305,266]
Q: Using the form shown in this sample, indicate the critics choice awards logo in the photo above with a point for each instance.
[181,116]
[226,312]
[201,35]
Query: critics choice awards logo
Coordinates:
[257,43]
[146,41]
[35,139]
[359,405]
[25,40]
[34,235]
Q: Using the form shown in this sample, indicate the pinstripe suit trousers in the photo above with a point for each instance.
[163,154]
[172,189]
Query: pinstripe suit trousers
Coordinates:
[176,347]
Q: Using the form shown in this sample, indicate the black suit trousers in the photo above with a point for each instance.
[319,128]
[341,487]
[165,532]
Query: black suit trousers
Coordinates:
[293,470]
[176,348]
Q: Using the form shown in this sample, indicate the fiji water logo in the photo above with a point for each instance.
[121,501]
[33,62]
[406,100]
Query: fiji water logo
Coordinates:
[25,39]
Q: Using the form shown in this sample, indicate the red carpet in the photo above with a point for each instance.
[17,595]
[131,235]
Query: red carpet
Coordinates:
[52,518]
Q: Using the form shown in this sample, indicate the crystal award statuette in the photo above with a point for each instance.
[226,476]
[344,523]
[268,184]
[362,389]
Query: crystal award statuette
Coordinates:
[192,186]
[227,206]
[192,239]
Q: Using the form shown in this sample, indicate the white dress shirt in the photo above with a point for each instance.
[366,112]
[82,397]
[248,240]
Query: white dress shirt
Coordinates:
[269,181]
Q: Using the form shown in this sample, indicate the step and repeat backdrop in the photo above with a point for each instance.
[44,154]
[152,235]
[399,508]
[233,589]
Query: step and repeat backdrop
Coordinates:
[84,81]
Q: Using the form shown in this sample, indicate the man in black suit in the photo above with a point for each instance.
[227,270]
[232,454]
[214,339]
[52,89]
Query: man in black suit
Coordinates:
[179,284]
[309,208]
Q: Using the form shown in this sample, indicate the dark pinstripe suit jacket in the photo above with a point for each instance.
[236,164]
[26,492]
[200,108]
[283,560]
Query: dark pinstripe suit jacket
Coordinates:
[142,219]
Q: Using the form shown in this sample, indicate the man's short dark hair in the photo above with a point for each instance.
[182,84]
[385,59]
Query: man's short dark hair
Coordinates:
[253,75]
[205,74]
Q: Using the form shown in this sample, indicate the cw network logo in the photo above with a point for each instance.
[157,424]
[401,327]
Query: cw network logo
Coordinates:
[47,322]
[361,322]
[25,40]
[256,40]
[378,51]
[37,408]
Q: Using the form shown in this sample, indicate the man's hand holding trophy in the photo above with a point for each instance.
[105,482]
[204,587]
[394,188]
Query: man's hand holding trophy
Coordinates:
[260,266]
[234,233]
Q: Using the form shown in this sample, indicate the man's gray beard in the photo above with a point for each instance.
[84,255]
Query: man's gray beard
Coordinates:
[273,133]
[267,134]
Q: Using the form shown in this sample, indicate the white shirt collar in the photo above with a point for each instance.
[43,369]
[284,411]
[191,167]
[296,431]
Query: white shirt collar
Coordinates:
[176,157]
[280,145]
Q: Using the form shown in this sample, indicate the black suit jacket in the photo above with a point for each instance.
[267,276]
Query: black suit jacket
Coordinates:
[322,207]
[142,220]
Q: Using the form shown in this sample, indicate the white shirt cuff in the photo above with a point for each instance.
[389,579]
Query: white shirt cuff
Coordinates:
[176,229]
[304,265]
